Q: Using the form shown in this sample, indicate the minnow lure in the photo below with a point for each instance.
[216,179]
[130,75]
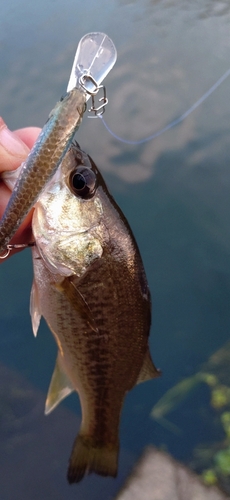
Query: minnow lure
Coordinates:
[95,56]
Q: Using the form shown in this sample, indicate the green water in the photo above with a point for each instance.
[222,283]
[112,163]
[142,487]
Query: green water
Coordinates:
[175,193]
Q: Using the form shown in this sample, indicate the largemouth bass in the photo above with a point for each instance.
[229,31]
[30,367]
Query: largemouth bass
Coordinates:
[90,286]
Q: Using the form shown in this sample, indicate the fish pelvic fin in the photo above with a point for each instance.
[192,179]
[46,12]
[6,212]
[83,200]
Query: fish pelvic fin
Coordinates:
[35,309]
[148,370]
[90,456]
[60,387]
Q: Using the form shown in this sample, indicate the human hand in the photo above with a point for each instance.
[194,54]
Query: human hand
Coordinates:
[14,148]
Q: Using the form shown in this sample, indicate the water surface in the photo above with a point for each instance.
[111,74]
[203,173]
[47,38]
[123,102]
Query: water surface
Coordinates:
[174,191]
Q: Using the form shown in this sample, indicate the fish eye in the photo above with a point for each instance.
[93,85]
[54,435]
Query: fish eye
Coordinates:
[82,182]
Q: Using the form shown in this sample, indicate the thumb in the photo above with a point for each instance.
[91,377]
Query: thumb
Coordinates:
[13,150]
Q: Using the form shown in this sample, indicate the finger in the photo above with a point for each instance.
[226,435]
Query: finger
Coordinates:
[13,150]
[28,135]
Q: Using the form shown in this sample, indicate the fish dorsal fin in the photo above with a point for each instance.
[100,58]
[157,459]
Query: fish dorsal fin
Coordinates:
[60,387]
[35,308]
[78,302]
[148,370]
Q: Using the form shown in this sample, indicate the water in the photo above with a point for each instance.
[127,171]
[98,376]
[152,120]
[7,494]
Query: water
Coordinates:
[174,191]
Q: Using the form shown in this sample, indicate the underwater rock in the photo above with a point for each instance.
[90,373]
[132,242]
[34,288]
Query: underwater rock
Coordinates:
[157,476]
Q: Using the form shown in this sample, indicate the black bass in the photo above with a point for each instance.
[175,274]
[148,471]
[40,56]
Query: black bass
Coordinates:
[91,288]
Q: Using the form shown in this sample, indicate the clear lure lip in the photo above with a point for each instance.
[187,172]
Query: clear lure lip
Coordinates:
[95,57]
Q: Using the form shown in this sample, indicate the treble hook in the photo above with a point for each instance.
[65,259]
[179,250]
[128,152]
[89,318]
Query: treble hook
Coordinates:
[9,248]
[83,82]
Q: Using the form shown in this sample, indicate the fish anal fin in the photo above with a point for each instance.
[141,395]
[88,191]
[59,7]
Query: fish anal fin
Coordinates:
[89,456]
[148,370]
[35,308]
[68,288]
[60,387]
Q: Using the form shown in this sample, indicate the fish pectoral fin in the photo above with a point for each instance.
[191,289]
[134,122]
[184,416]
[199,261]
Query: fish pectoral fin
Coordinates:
[35,308]
[68,288]
[60,387]
[148,370]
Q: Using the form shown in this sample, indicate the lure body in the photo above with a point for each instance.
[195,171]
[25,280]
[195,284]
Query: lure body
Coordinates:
[42,161]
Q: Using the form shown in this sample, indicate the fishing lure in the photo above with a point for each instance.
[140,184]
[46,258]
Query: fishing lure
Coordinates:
[95,57]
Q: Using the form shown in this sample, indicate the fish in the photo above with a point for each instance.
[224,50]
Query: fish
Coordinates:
[91,288]
[42,161]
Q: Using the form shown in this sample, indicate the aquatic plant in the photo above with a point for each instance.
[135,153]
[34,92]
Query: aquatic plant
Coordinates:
[211,460]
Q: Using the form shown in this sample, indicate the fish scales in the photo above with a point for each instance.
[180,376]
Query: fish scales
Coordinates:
[87,354]
[90,286]
[116,311]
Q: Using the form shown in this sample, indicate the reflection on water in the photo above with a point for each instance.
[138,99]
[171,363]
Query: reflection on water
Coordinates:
[173,190]
[202,10]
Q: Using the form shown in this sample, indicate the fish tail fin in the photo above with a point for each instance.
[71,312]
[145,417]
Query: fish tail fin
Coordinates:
[90,456]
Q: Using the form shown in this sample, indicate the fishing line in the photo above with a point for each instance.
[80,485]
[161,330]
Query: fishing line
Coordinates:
[171,124]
